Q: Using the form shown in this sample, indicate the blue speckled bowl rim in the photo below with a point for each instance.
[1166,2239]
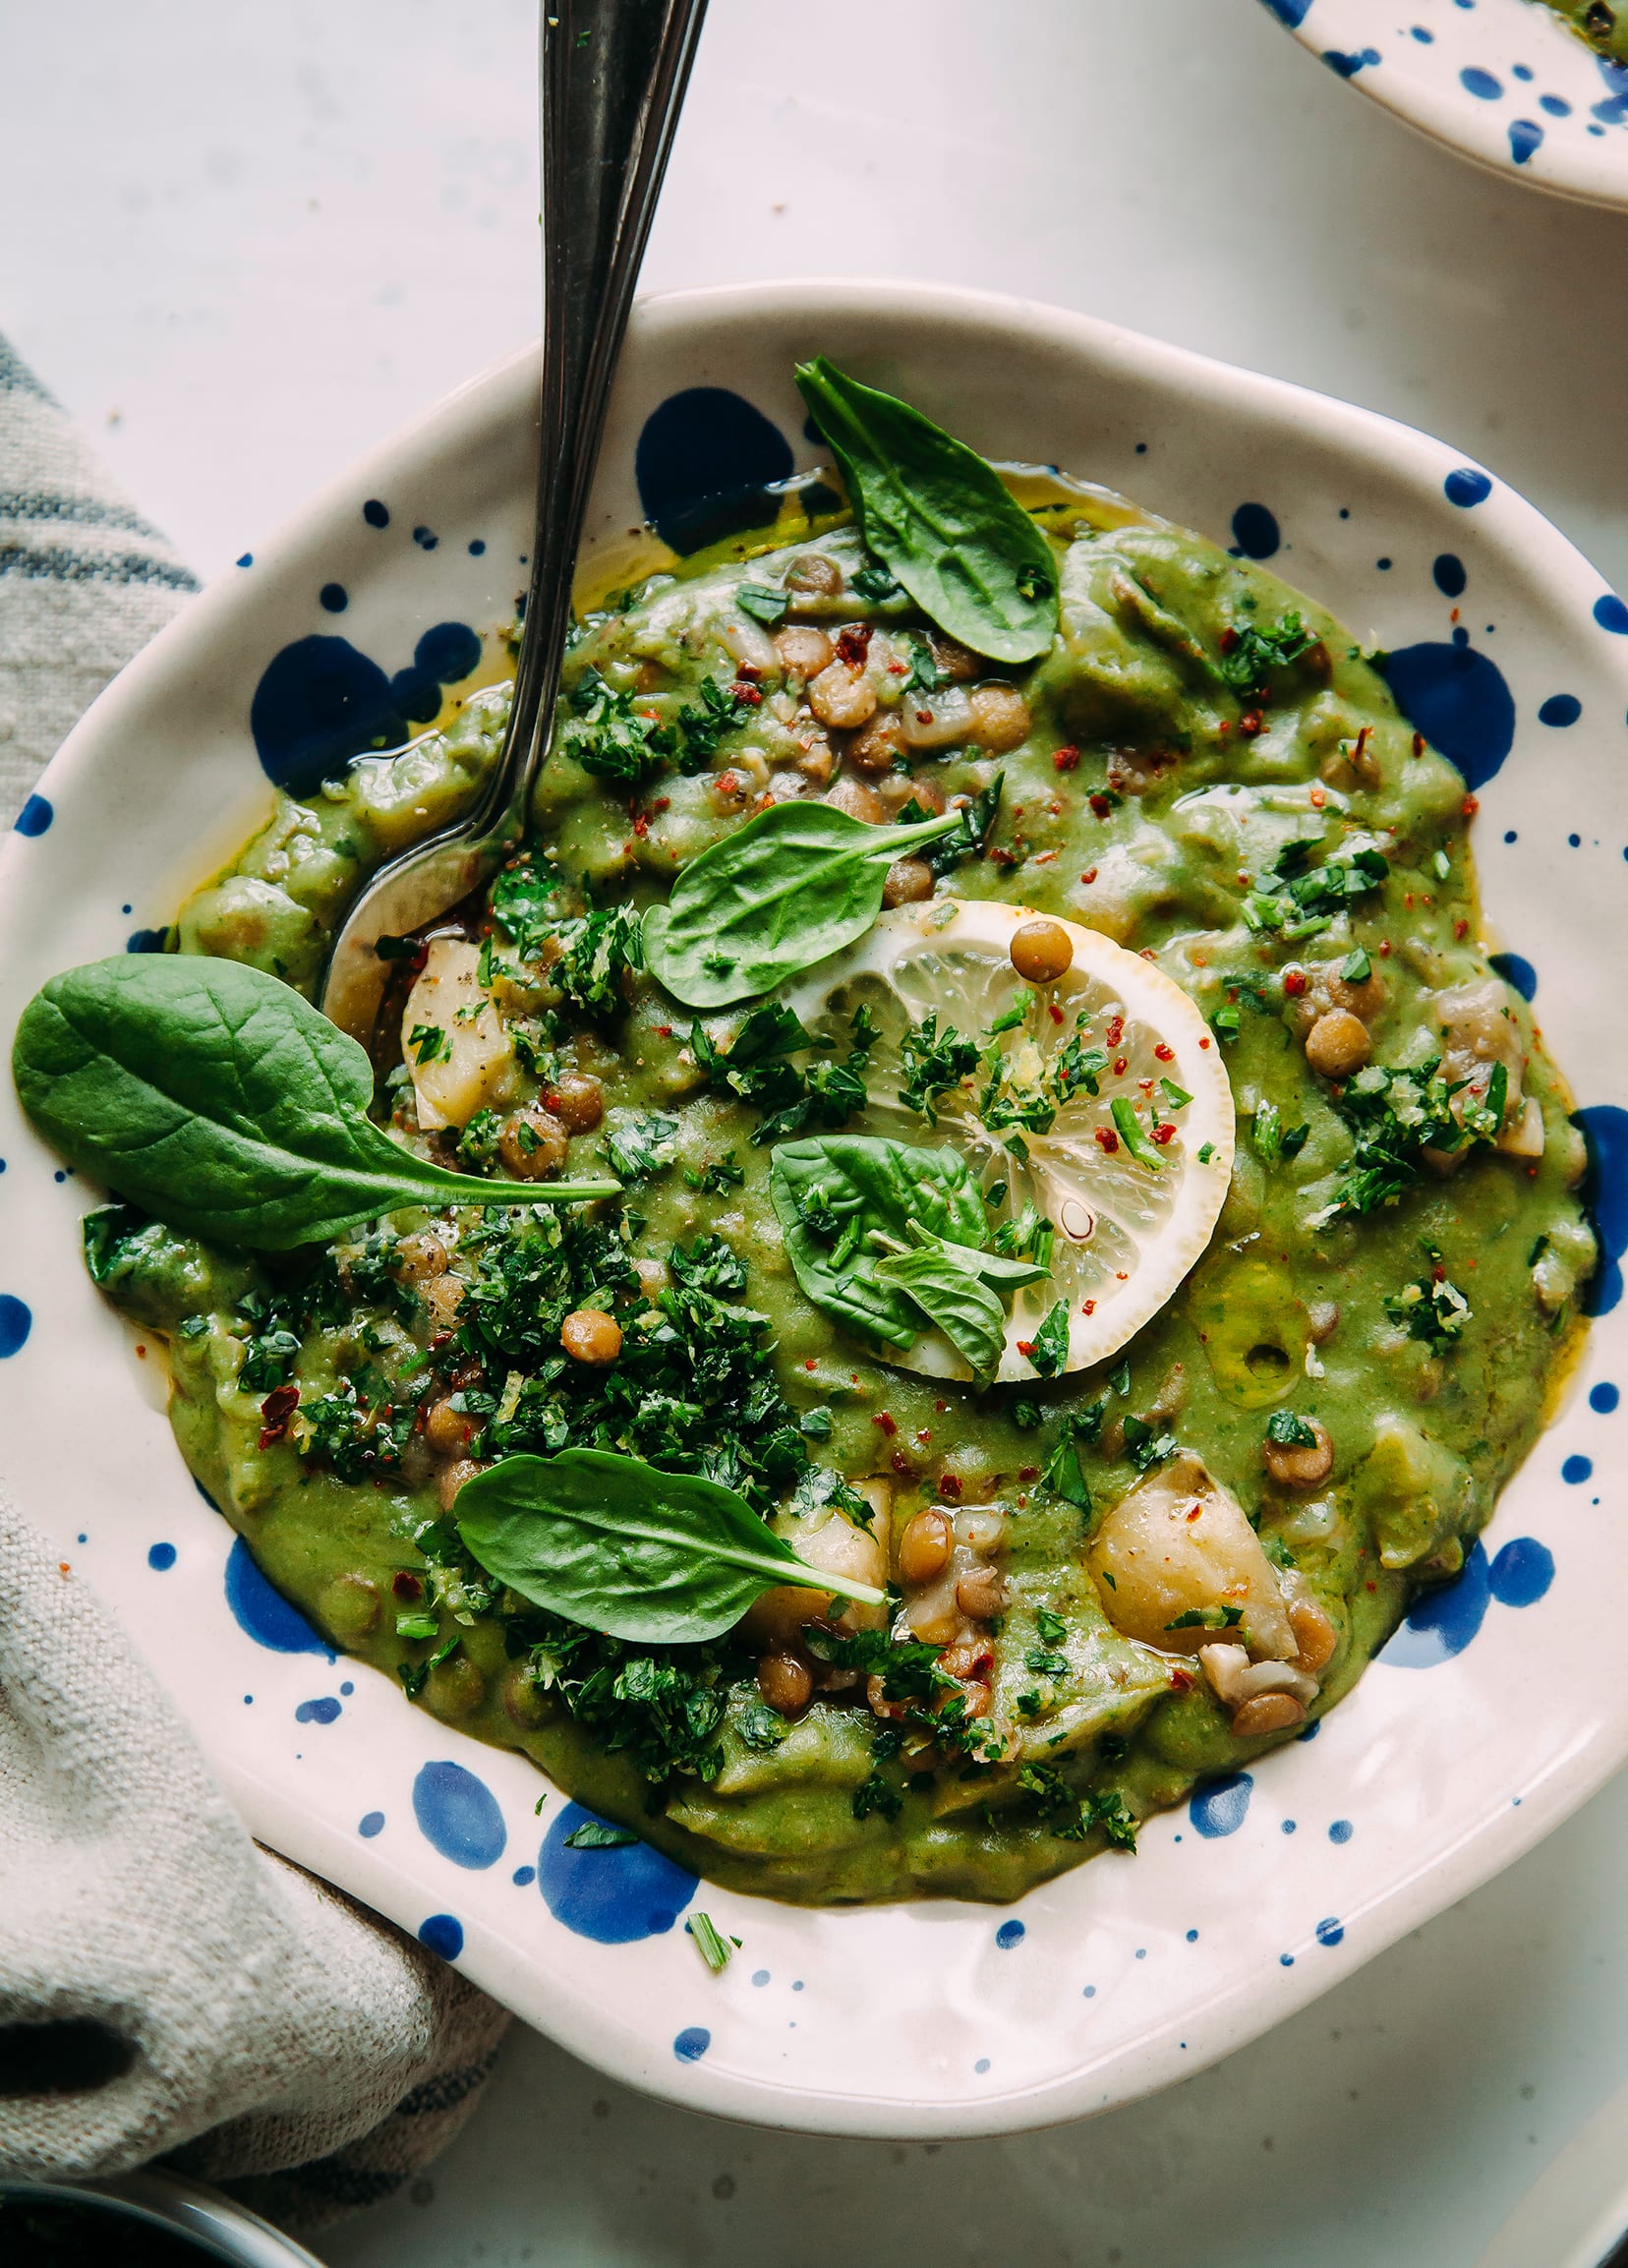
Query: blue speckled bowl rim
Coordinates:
[1264,423]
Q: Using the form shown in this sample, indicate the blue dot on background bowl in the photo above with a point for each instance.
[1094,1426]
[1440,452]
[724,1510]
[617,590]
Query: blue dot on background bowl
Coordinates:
[1443,1622]
[1466,485]
[1611,613]
[523,1877]
[458,1814]
[1576,1470]
[1291,11]
[1604,1398]
[444,1934]
[161,1556]
[371,1823]
[15,1322]
[1447,572]
[1009,1934]
[324,1710]
[1604,1194]
[376,515]
[1516,971]
[1560,710]
[334,598]
[615,1896]
[320,702]
[1521,1572]
[1330,1932]
[265,1614]
[1340,1830]
[692,2042]
[705,462]
[1458,698]
[1256,531]
[34,817]
[1221,1808]
[1525,139]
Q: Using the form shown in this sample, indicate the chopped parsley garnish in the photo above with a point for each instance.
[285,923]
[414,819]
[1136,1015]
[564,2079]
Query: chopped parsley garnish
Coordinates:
[430,1044]
[613,738]
[1290,1431]
[933,1062]
[715,1949]
[1274,1142]
[718,1177]
[640,1144]
[1048,1350]
[764,1066]
[1431,1307]
[1073,1813]
[763,603]
[1146,1446]
[1395,1116]
[596,1834]
[1253,654]
[1207,1618]
[1301,903]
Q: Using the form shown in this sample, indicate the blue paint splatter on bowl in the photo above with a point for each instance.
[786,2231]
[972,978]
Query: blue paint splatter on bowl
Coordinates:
[705,463]
[376,515]
[321,1712]
[1604,1194]
[1458,699]
[1220,1809]
[1611,613]
[1516,972]
[320,702]
[1443,1622]
[1340,1830]
[16,1321]
[444,1934]
[34,817]
[1009,1934]
[265,1614]
[1560,710]
[1467,485]
[1449,571]
[1330,1932]
[1521,1572]
[371,1823]
[458,1814]
[1604,1398]
[1525,136]
[1481,84]
[616,1896]
[1576,1470]
[161,1556]
[1256,531]
[692,2042]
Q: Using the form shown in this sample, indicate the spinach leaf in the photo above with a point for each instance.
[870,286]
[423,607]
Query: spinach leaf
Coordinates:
[215,1096]
[954,1301]
[833,1190]
[798,882]
[938,518]
[657,1558]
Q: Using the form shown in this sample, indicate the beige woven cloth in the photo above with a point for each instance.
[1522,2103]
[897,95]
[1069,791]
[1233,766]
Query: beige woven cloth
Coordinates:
[166,1987]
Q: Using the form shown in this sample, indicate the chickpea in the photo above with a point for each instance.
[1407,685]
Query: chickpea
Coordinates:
[442,1296]
[933,1619]
[980,1594]
[1338,1044]
[1299,1467]
[814,573]
[924,1547]
[350,1606]
[816,763]
[875,745]
[842,696]
[523,1703]
[532,1143]
[802,651]
[907,882]
[958,661]
[1322,1320]
[455,1689]
[1000,717]
[422,1256]
[1042,951]
[588,1336]
[652,1275]
[448,1431]
[1265,1712]
[1315,1634]
[454,1476]
[579,1101]
[896,788]
[785,1683]
[853,796]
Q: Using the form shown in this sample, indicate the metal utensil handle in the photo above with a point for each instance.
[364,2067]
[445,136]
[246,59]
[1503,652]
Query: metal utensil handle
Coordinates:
[614,74]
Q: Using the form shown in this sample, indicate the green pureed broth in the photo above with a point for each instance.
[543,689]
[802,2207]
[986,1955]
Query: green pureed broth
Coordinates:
[1185,767]
[1604,24]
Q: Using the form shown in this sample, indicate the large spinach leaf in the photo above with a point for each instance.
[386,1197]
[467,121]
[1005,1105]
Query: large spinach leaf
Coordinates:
[217,1097]
[794,884]
[938,518]
[657,1558]
[833,1190]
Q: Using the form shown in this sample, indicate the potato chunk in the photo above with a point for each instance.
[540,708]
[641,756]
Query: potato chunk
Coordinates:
[1179,1544]
[831,1542]
[462,1058]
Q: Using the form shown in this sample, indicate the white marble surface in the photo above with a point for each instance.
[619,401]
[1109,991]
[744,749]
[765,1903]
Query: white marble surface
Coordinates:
[243,243]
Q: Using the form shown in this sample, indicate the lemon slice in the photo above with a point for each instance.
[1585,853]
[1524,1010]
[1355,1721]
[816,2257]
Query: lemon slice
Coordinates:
[1131,1178]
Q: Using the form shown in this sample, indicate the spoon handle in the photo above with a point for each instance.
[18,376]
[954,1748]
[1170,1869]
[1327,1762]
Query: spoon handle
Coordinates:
[614,74]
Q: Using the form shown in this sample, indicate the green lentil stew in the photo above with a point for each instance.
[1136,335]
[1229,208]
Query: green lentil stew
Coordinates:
[1601,23]
[745,1500]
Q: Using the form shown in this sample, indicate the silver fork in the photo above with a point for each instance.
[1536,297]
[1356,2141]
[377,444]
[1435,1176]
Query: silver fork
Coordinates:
[614,74]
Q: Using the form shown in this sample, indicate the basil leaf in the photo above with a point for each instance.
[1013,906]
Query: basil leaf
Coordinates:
[952,1299]
[995,1268]
[217,1097]
[798,882]
[597,1835]
[656,1558]
[832,1190]
[938,518]
[1050,1349]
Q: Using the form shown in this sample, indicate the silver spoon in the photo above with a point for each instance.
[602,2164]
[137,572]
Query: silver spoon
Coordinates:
[614,74]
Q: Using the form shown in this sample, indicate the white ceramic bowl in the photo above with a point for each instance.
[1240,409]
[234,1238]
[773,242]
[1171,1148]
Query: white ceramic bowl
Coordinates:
[934,2018]
[1502,82]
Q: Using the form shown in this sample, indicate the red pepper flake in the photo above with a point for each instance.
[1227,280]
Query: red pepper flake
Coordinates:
[141,1351]
[924,716]
[1384,949]
[1028,1471]
[948,1485]
[1101,807]
[1119,1065]
[1107,1139]
[941,1407]
[1116,1030]
[1204,1042]
[1470,807]
[662,804]
[1461,928]
[1252,724]
[64,1568]
[1229,640]
[1055,1011]
[1088,1308]
[852,644]
[897,669]
[406,1585]
[1371,1586]
[641,825]
[275,1411]
[1197,1513]
[1090,874]
[901,1463]
[1181,1681]
[885,1422]
[809,1363]
[1065,759]
[1164,1132]
[663,1031]
[1164,1053]
[1025,1348]
[924,1434]
[1318,797]
[1419,745]
[728,784]
[1295,982]
[1002,859]
[748,696]
[1121,1276]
